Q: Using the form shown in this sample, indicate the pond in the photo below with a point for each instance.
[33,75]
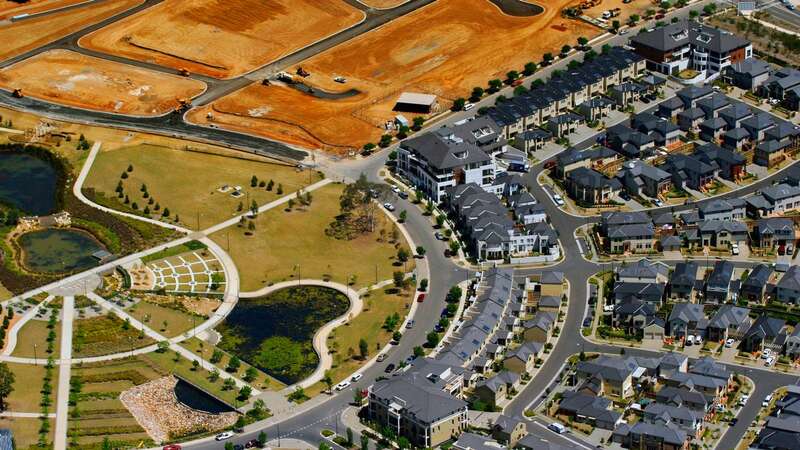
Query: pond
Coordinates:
[28,183]
[195,398]
[274,333]
[58,250]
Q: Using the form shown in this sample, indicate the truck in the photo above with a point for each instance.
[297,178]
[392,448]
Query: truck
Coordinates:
[184,72]
[285,77]
[17,93]
[302,72]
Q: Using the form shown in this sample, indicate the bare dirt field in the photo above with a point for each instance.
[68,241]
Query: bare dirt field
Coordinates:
[20,37]
[10,9]
[74,79]
[627,9]
[221,38]
[445,48]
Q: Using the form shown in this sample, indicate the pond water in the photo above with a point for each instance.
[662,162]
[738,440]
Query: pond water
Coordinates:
[28,183]
[58,250]
[195,398]
[274,333]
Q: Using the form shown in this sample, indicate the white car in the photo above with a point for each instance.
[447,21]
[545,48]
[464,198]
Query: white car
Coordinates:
[766,401]
[766,353]
[690,340]
[729,343]
[468,106]
[395,189]
[343,385]
[769,361]
[356,377]
[735,249]
[698,340]
[744,399]
[658,202]
[388,206]
[557,428]
[223,436]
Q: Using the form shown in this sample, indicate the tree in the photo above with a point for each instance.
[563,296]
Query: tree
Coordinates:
[250,374]
[419,352]
[582,41]
[364,442]
[279,191]
[458,104]
[386,139]
[106,445]
[349,434]
[432,339]
[403,442]
[495,85]
[477,93]
[396,336]
[423,285]
[214,375]
[615,24]
[245,392]
[229,446]
[216,356]
[530,68]
[454,247]
[402,254]
[162,346]
[403,216]
[363,348]
[130,167]
[368,147]
[254,181]
[233,364]
[693,14]
[262,439]
[165,213]
[547,58]
[328,380]
[270,185]
[440,220]
[565,49]
[195,365]
[420,250]
[512,75]
[418,122]
[228,384]
[634,19]
[399,279]
[7,379]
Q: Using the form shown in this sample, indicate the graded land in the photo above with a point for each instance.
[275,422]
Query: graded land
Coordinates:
[20,37]
[441,49]
[187,182]
[70,78]
[285,243]
[219,38]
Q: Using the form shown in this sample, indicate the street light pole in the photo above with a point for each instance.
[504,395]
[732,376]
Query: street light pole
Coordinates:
[35,358]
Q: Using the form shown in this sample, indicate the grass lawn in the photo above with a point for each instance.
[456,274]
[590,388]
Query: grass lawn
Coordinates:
[186,182]
[174,251]
[183,368]
[105,335]
[154,316]
[282,240]
[28,380]
[368,325]
[34,332]
[26,431]
[5,294]
[263,382]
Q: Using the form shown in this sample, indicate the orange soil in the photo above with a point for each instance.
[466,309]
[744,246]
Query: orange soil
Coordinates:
[634,7]
[9,9]
[383,4]
[26,35]
[74,79]
[222,38]
[445,48]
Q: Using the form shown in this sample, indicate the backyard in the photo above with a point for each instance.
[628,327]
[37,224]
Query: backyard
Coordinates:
[170,177]
[284,244]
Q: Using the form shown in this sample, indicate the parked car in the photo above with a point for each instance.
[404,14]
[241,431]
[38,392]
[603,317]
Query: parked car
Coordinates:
[172,447]
[734,249]
[744,398]
[439,236]
[395,189]
[421,298]
[252,443]
[658,202]
[698,340]
[766,353]
[733,421]
[342,386]
[624,195]
[729,343]
[790,249]
[389,368]
[689,340]
[223,436]
[410,324]
[356,377]
[770,361]
[766,401]
[382,357]
[388,206]
[403,194]
[468,106]
[644,100]
[557,428]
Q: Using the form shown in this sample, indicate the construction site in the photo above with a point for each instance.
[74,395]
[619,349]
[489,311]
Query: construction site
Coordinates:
[83,81]
[222,39]
[15,10]
[443,49]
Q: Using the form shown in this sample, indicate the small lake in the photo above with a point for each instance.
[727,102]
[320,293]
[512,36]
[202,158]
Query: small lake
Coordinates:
[195,398]
[274,333]
[58,250]
[27,183]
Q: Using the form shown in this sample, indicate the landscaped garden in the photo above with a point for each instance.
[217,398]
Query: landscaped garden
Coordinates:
[274,333]
[105,335]
[287,243]
[39,339]
[187,186]
[224,361]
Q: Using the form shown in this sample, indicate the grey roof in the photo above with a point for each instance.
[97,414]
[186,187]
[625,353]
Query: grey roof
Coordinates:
[759,121]
[526,350]
[776,226]
[426,404]
[713,102]
[751,66]
[720,277]
[446,152]
[675,35]
[729,316]
[643,268]
[543,320]
[624,218]
[637,168]
[549,301]
[780,191]
[687,312]
[716,226]
[652,292]
[472,441]
[737,134]
[720,205]
[583,176]
[532,442]
[631,231]
[669,433]
[782,130]
[681,396]
[608,367]
[671,412]
[692,113]
[709,367]
[633,307]
[791,279]
[588,406]
[714,123]
[551,277]
[765,328]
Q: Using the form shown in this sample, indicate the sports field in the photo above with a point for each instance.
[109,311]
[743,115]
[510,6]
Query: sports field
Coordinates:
[221,38]
[26,35]
[445,48]
[74,79]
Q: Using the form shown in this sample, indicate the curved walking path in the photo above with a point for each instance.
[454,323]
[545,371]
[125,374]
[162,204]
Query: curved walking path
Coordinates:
[29,314]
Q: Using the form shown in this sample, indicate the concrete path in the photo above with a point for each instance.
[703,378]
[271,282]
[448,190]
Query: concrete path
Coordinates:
[62,399]
[77,189]
[191,356]
[24,415]
[29,314]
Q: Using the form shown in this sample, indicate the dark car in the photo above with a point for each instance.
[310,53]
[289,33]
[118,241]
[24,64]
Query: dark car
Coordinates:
[624,195]
[587,322]
[733,421]
[403,195]
[252,443]
[238,447]
[389,368]
[444,313]
[644,100]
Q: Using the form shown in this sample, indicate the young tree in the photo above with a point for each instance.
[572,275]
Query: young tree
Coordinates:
[547,58]
[565,49]
[530,68]
[233,364]
[458,104]
[250,374]
[254,181]
[228,384]
[477,93]
[364,442]
[399,279]
[245,392]
[403,216]
[420,250]
[262,439]
[363,348]
[216,356]
[270,185]
[328,380]
[214,375]
[582,41]
[512,75]
[396,336]
[402,254]
[454,247]
[495,85]
[419,352]
[349,434]
[195,365]
[418,122]
[432,339]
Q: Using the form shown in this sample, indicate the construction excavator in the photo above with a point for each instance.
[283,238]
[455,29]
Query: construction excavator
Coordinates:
[302,72]
[183,105]
[184,72]
[17,93]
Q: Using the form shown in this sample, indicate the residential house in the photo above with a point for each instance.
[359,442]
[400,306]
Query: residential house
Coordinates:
[689,120]
[748,74]
[781,83]
[683,280]
[494,390]
[758,125]
[590,187]
[684,319]
[508,430]
[765,332]
[683,397]
[595,108]
[626,93]
[629,142]
[735,139]
[779,433]
[628,232]
[754,286]
[773,200]
[643,435]
[572,159]
[564,124]
[726,210]
[728,322]
[663,131]
[713,104]
[792,346]
[770,153]
[539,328]
[689,171]
[590,409]
[532,140]
[713,130]
[640,178]
[732,165]
[473,441]
[788,288]
[718,282]
[643,271]
[688,420]
[773,232]
[523,358]
[652,293]
[735,114]
[722,233]
[670,108]
[634,316]
[613,375]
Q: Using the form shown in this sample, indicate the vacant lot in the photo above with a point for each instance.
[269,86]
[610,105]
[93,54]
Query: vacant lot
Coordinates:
[445,49]
[627,9]
[74,79]
[26,35]
[220,38]
[284,241]
[10,8]
[187,182]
